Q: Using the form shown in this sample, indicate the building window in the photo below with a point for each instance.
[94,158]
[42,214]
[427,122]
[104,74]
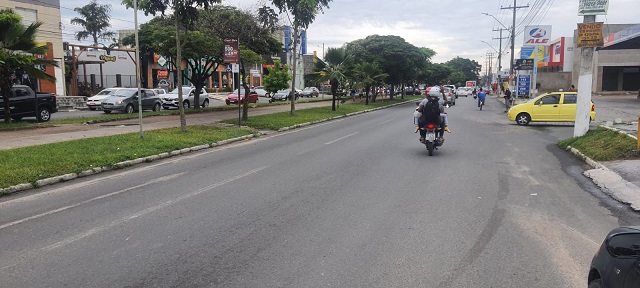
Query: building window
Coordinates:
[29,16]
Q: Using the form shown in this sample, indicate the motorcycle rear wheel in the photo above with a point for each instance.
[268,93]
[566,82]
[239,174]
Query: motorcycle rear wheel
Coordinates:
[430,147]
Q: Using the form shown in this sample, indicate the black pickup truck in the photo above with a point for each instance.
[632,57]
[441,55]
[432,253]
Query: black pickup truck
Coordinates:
[24,102]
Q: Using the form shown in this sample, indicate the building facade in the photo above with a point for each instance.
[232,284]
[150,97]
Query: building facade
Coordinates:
[50,34]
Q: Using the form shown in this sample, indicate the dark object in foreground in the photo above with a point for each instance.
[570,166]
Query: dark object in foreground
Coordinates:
[24,102]
[617,263]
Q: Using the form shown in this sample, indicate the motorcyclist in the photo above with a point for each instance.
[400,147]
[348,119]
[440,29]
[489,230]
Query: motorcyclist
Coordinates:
[442,119]
[481,97]
[474,92]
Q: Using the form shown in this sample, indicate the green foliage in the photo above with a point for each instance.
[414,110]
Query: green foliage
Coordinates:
[470,68]
[369,74]
[603,144]
[17,49]
[456,78]
[304,11]
[25,165]
[94,19]
[334,69]
[436,74]
[278,77]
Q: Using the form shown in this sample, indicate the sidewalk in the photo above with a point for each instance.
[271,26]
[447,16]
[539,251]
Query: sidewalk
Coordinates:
[619,179]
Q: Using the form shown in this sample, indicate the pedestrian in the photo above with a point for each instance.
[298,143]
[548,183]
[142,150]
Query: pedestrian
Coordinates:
[573,89]
[507,99]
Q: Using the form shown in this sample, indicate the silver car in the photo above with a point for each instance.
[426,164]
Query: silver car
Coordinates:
[95,102]
[126,100]
[283,95]
[170,100]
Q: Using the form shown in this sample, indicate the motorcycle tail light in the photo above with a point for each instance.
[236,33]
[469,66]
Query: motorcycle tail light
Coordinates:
[430,126]
[593,107]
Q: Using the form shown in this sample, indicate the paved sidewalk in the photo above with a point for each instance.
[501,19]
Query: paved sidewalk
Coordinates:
[620,179]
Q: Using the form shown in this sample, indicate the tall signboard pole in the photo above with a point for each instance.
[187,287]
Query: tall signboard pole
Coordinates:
[232,55]
[589,37]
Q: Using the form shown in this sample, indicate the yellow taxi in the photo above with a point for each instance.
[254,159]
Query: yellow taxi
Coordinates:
[549,107]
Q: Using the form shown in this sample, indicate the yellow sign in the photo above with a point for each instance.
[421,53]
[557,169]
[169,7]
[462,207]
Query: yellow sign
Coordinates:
[590,34]
[106,58]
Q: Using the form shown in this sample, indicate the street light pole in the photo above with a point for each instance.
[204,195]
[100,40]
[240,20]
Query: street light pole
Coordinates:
[513,35]
[138,74]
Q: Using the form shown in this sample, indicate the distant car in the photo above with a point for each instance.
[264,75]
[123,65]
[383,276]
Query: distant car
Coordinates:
[463,91]
[170,100]
[233,97]
[95,102]
[261,92]
[409,90]
[283,95]
[548,107]
[449,96]
[310,92]
[453,89]
[126,100]
[617,263]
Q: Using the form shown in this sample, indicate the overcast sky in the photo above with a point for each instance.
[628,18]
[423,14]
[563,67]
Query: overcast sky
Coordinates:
[451,28]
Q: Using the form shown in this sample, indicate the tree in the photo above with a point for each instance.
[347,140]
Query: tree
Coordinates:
[436,74]
[470,68]
[401,60]
[333,69]
[456,78]
[278,77]
[18,48]
[253,31]
[94,18]
[185,13]
[369,74]
[304,13]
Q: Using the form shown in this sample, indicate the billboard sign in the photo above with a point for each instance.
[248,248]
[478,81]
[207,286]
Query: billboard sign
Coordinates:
[593,7]
[537,35]
[590,35]
[524,83]
[231,51]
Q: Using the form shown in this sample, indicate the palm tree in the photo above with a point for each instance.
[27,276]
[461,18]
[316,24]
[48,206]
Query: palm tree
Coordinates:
[333,69]
[94,18]
[369,74]
[17,51]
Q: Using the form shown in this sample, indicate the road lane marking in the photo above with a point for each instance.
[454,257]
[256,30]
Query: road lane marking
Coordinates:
[162,179]
[90,232]
[384,122]
[341,138]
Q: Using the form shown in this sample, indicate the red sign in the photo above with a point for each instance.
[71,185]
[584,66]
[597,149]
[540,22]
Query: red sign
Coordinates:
[156,57]
[231,51]
[163,74]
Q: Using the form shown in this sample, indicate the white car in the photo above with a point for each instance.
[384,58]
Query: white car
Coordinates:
[453,89]
[463,91]
[170,100]
[261,92]
[95,102]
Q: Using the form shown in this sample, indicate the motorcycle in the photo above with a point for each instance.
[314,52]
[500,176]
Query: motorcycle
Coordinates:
[432,139]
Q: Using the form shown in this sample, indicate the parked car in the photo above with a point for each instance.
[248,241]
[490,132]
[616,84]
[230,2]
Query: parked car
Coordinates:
[410,90]
[464,91]
[126,100]
[95,102]
[617,262]
[453,89]
[310,92]
[233,97]
[25,102]
[283,95]
[549,107]
[160,92]
[261,92]
[170,100]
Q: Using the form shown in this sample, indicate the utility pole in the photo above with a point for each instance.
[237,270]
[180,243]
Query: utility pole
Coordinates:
[489,76]
[513,35]
[500,60]
[585,80]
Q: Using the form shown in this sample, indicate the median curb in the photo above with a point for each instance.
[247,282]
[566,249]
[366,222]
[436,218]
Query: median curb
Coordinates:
[610,182]
[119,165]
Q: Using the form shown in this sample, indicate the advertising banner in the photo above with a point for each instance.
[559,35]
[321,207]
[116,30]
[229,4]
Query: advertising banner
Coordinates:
[524,83]
[590,34]
[526,52]
[593,7]
[537,35]
[231,51]
[163,74]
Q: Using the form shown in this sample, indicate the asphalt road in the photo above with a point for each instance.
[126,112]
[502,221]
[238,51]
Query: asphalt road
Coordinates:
[349,203]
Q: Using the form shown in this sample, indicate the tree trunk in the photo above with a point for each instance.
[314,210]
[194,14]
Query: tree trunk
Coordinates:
[6,93]
[366,94]
[292,94]
[183,119]
[334,91]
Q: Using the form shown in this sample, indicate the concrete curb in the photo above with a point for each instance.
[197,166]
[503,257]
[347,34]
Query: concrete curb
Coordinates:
[620,131]
[119,165]
[610,182]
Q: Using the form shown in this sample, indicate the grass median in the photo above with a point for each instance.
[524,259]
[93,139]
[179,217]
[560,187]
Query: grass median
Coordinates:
[284,119]
[29,164]
[603,144]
